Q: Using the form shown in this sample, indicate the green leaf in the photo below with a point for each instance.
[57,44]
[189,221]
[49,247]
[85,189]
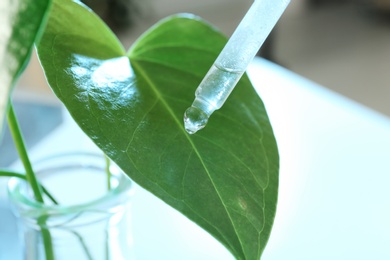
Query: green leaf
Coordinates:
[225,177]
[21,24]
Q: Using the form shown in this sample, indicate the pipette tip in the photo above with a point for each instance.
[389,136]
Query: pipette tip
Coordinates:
[194,119]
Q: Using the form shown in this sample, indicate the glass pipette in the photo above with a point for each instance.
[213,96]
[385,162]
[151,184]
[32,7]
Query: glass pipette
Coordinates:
[232,62]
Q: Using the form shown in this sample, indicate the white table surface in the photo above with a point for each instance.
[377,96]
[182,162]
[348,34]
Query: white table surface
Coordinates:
[334,200]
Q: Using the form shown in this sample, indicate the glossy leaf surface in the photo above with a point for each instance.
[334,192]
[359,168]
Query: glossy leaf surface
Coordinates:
[20,24]
[225,177]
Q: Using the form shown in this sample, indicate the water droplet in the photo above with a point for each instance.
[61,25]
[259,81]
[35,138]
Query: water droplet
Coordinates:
[194,120]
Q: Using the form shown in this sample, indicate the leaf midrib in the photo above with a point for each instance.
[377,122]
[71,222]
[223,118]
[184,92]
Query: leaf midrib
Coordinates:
[193,74]
[178,122]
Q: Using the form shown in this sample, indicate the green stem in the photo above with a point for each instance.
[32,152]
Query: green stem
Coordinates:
[108,172]
[47,241]
[22,151]
[30,177]
[7,173]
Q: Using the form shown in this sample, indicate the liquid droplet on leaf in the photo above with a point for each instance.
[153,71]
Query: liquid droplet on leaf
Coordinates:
[194,120]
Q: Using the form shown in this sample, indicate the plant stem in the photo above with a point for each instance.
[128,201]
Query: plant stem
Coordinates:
[6,173]
[30,177]
[21,148]
[108,172]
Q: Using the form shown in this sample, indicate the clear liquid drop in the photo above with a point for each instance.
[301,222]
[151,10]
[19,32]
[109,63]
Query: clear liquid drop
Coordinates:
[194,120]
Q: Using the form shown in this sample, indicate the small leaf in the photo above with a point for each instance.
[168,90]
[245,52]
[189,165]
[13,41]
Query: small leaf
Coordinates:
[224,178]
[21,22]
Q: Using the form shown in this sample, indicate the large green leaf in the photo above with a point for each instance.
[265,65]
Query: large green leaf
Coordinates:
[225,177]
[20,24]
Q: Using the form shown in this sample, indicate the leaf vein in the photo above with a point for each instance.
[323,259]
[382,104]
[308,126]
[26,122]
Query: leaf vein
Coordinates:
[158,94]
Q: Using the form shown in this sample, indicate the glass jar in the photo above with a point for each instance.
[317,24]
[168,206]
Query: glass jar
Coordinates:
[91,219]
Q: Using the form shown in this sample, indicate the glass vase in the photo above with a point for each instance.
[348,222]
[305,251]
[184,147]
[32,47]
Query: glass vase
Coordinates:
[91,219]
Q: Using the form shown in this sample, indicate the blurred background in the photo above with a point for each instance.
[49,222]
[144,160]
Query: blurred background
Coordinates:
[343,45]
